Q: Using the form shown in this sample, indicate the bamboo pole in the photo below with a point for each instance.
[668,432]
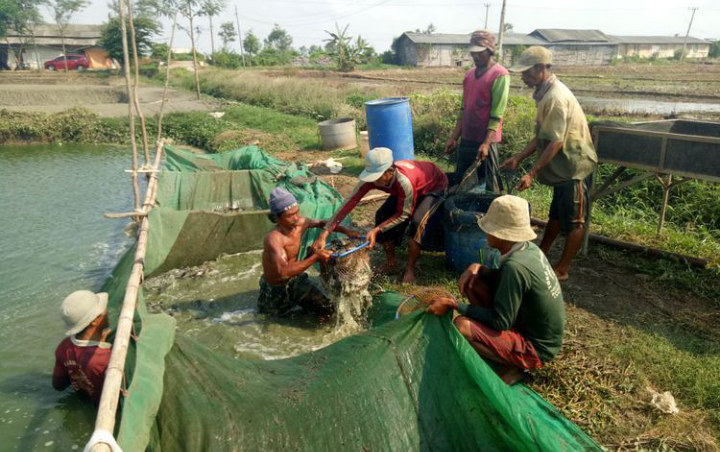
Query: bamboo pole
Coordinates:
[114,375]
[135,100]
[131,117]
[167,76]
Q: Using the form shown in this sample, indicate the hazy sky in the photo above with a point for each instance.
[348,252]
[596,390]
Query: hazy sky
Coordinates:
[378,21]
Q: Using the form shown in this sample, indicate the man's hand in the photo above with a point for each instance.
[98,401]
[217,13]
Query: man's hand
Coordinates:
[370,237]
[483,151]
[319,243]
[323,255]
[352,233]
[105,333]
[440,305]
[525,182]
[468,277]
[450,145]
[511,163]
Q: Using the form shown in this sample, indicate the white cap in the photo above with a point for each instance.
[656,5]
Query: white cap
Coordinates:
[508,218]
[80,308]
[377,161]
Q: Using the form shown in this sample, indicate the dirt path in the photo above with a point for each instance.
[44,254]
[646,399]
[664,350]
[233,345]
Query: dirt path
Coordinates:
[104,96]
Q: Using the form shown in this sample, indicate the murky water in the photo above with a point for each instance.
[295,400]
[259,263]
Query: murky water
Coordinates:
[646,106]
[216,304]
[54,240]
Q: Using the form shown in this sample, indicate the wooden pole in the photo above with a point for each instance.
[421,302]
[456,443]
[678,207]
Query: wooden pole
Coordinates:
[114,375]
[242,50]
[131,117]
[136,80]
[167,77]
[694,261]
[666,185]
[501,34]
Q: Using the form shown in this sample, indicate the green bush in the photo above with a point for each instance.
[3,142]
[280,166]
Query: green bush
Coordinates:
[228,60]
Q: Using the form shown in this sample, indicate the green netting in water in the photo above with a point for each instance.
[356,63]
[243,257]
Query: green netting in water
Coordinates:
[410,384]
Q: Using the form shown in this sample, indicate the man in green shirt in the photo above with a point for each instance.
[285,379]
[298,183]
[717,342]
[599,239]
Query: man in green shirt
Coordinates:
[479,123]
[566,155]
[516,314]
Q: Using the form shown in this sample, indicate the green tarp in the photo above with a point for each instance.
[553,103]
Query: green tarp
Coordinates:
[410,384]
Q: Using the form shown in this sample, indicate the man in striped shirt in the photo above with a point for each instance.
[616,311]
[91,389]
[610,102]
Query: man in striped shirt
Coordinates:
[416,190]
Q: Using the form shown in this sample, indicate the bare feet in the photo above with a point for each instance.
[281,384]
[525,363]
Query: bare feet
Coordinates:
[409,277]
[562,275]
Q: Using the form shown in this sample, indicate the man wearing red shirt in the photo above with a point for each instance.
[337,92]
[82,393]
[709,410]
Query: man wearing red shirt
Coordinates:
[82,358]
[416,188]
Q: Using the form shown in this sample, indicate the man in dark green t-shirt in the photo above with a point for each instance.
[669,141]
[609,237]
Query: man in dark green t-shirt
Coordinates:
[516,314]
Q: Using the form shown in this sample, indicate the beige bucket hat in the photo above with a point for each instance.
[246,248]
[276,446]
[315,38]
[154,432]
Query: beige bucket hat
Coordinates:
[80,308]
[508,218]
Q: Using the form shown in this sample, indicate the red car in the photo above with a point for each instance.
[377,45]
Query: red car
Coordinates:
[73,62]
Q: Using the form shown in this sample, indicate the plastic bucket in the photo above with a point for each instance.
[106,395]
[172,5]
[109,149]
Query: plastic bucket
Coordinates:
[389,123]
[338,134]
[465,242]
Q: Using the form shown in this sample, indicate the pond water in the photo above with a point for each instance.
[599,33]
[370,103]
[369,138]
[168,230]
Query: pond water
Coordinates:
[54,240]
[646,106]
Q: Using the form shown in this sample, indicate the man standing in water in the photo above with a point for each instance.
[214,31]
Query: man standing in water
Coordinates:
[82,358]
[566,155]
[284,284]
[479,123]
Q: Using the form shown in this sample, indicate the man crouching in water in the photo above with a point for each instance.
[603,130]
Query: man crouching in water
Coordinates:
[284,284]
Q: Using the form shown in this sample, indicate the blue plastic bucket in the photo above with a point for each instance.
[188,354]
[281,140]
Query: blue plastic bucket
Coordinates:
[465,242]
[389,123]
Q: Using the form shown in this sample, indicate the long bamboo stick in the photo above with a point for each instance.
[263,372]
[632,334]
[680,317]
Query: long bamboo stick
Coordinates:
[131,117]
[136,80]
[105,420]
[167,76]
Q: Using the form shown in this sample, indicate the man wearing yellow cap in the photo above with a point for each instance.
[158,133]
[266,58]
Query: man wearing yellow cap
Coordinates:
[479,123]
[566,156]
[516,313]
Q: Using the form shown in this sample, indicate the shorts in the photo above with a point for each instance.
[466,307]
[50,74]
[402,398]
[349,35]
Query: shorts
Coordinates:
[424,226]
[570,203]
[487,172]
[510,347]
[281,299]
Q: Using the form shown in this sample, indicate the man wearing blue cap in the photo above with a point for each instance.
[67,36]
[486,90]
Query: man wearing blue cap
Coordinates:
[284,284]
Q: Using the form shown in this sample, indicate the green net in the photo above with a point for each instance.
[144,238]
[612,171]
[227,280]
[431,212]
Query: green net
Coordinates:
[408,384]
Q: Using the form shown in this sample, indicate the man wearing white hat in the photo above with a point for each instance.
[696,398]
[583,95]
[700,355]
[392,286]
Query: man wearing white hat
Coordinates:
[566,157]
[83,356]
[416,188]
[516,314]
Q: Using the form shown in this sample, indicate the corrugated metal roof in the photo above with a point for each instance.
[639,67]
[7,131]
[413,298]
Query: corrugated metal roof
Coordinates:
[464,39]
[556,35]
[655,40]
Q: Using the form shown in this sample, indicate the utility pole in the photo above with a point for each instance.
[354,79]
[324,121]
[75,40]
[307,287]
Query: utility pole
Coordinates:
[693,9]
[501,33]
[242,51]
[487,9]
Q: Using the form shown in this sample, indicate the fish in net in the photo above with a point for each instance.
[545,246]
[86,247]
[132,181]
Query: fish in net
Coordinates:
[420,299]
[346,277]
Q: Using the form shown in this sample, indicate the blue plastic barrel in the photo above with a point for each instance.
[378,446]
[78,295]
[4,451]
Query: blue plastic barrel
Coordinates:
[465,242]
[389,123]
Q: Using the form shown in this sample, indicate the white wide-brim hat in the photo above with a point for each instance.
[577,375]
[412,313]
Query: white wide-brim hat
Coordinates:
[508,218]
[80,308]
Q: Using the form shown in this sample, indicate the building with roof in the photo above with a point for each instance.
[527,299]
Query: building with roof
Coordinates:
[569,47]
[44,43]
